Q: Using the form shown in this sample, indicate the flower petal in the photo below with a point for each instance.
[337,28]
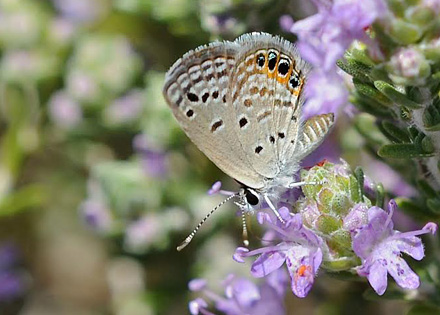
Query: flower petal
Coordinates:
[378,277]
[245,292]
[240,252]
[196,305]
[300,263]
[411,246]
[404,276]
[267,263]
[197,284]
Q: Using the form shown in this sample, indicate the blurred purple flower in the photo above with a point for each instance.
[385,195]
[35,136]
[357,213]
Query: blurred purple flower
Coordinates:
[323,39]
[126,108]
[11,285]
[143,232]
[219,23]
[62,31]
[325,93]
[381,172]
[81,10]
[82,86]
[300,250]
[96,215]
[286,22]
[244,297]
[154,159]
[380,246]
[12,282]
[64,111]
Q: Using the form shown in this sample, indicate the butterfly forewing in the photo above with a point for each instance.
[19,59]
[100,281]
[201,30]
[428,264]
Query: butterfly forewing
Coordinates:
[263,95]
[250,95]
[196,89]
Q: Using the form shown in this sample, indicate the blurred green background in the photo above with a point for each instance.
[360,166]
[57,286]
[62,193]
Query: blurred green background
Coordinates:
[98,184]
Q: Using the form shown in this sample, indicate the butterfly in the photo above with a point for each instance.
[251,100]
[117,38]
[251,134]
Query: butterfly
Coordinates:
[240,103]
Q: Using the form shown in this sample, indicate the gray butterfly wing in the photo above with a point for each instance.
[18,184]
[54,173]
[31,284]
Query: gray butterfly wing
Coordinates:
[197,90]
[314,131]
[266,103]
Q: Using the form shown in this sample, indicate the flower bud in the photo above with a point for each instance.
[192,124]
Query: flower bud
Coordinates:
[408,66]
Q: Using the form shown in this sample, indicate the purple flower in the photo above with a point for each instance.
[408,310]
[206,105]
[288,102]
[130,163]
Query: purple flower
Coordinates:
[325,93]
[143,233]
[242,296]
[380,247]
[325,36]
[381,172]
[323,39]
[96,215]
[154,159]
[215,188]
[81,10]
[300,250]
[125,109]
[64,110]
[12,280]
[11,285]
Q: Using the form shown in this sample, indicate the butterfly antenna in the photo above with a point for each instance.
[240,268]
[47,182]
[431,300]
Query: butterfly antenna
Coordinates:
[190,237]
[245,231]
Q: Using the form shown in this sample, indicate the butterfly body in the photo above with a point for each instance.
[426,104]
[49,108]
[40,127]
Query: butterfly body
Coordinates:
[240,102]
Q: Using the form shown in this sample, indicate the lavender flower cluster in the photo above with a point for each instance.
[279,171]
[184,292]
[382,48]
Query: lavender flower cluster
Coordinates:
[323,38]
[342,224]
[333,227]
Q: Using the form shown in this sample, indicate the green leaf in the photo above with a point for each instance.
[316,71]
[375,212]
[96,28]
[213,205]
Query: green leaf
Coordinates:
[424,186]
[372,92]
[361,57]
[403,32]
[394,95]
[427,145]
[355,69]
[370,106]
[402,151]
[359,174]
[433,205]
[366,126]
[394,132]
[23,199]
[380,195]
[431,116]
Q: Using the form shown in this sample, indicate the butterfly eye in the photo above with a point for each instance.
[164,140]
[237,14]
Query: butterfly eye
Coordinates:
[252,198]
[283,67]
[272,60]
[261,60]
[294,81]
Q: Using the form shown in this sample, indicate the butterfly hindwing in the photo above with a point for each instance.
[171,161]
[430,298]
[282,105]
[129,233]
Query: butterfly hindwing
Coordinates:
[314,131]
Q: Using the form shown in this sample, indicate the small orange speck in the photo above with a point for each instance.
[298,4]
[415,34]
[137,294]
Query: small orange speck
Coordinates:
[322,162]
[302,270]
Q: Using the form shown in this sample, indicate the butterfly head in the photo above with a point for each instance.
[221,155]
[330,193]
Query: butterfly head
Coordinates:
[249,199]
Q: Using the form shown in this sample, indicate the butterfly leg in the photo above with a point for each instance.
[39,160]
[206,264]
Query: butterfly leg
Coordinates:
[272,207]
[245,232]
